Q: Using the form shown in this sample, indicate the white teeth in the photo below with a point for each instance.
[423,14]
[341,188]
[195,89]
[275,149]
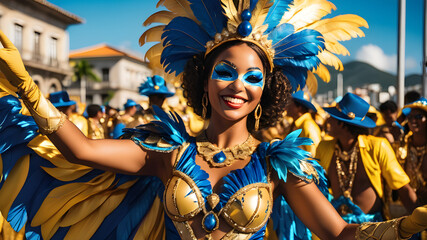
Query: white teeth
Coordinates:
[233,100]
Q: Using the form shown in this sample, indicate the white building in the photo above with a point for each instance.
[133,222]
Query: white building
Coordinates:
[38,30]
[121,74]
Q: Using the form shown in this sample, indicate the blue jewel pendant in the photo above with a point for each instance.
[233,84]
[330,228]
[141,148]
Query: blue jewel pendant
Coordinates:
[219,157]
[210,222]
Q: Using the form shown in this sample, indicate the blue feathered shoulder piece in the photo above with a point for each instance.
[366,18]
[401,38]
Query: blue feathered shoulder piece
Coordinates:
[164,134]
[286,156]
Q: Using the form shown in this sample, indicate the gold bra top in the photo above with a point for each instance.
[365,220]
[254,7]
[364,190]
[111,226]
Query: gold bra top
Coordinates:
[245,207]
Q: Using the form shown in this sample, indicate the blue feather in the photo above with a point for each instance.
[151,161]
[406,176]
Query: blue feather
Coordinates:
[124,219]
[296,49]
[286,154]
[170,127]
[139,207]
[296,75]
[187,165]
[275,14]
[182,39]
[32,235]
[356,215]
[252,5]
[260,234]
[253,172]
[286,224]
[210,15]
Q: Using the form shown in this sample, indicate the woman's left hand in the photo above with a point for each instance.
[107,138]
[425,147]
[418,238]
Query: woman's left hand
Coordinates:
[414,223]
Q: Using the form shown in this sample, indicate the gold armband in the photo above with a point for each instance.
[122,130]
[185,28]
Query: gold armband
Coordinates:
[47,117]
[380,230]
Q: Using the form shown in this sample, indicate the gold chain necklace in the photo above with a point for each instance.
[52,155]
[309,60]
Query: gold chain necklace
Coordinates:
[221,157]
[346,179]
[343,155]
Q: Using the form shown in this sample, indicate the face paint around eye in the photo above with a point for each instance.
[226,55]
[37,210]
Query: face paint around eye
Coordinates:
[254,78]
[225,72]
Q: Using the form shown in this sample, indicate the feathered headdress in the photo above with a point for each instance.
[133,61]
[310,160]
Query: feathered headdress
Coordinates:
[291,33]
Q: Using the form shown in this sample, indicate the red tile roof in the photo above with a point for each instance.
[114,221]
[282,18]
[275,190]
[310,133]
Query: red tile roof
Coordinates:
[99,51]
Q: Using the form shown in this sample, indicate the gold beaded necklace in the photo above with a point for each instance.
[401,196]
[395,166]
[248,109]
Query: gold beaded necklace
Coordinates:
[221,157]
[413,165]
[346,178]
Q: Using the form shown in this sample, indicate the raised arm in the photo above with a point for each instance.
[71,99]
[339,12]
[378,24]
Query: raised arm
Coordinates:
[116,155]
[314,210]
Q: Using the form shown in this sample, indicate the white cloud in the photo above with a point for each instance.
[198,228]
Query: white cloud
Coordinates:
[374,55]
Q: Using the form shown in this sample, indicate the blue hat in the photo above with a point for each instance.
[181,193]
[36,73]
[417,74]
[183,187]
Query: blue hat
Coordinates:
[352,109]
[130,103]
[304,99]
[419,104]
[155,85]
[61,99]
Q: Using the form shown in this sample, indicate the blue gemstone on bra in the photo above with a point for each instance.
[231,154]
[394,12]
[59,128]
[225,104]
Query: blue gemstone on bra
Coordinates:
[210,222]
[219,157]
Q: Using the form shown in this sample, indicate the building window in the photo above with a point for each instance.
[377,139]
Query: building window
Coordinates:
[36,53]
[105,74]
[53,50]
[18,37]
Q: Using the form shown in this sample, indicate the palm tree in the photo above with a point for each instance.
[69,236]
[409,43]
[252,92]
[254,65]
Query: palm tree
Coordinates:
[82,73]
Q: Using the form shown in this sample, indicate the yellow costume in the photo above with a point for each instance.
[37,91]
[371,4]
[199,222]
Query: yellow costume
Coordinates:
[96,131]
[310,130]
[80,121]
[379,161]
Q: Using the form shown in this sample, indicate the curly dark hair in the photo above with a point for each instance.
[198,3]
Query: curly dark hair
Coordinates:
[274,99]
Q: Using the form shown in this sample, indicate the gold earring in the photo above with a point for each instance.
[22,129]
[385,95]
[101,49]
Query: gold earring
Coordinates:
[205,102]
[258,112]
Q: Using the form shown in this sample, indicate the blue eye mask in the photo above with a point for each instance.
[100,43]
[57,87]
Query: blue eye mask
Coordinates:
[225,72]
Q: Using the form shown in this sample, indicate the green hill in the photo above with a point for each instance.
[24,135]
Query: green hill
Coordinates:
[357,74]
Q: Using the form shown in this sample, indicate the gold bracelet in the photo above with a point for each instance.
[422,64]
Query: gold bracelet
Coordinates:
[380,230]
[47,117]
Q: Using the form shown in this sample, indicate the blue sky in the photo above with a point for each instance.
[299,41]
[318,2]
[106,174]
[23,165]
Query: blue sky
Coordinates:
[119,24]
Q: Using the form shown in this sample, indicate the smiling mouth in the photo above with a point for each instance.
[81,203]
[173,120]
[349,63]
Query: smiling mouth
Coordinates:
[233,102]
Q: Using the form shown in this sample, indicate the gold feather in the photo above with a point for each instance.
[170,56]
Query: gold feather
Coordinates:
[83,209]
[243,4]
[311,83]
[153,34]
[330,59]
[304,12]
[86,228]
[159,17]
[179,7]
[323,73]
[153,223]
[336,48]
[14,183]
[153,55]
[230,12]
[341,28]
[260,12]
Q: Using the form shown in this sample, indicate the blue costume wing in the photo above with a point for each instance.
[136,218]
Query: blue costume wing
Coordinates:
[164,134]
[55,199]
[286,156]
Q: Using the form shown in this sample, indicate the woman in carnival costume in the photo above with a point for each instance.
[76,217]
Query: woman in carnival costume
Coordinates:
[221,184]
[412,153]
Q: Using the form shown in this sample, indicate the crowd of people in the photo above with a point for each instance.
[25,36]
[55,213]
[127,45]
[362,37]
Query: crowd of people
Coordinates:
[259,163]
